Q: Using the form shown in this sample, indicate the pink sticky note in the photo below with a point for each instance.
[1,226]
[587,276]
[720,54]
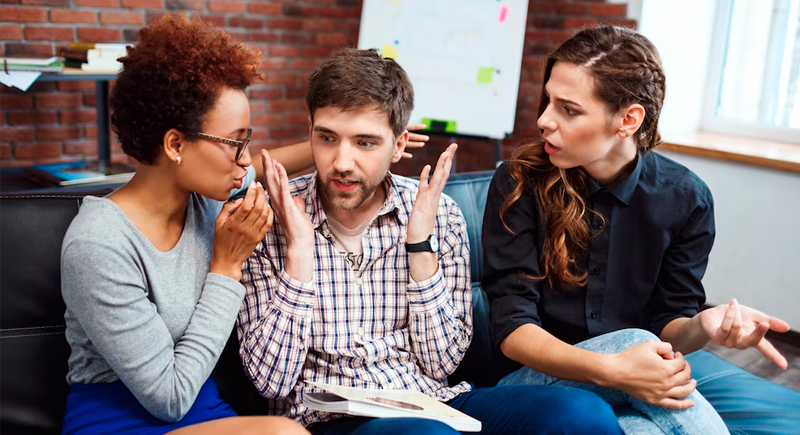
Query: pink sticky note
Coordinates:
[503,13]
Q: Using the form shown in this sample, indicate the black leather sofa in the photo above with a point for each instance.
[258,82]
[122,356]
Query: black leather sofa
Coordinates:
[33,351]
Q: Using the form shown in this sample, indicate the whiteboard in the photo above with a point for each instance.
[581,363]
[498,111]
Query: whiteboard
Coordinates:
[462,56]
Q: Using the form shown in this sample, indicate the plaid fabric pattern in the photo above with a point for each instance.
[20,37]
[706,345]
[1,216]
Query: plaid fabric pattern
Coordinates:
[373,327]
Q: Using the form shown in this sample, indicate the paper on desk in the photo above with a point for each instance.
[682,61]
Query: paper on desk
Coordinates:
[21,80]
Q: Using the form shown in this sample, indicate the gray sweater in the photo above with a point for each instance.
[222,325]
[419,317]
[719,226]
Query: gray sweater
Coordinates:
[156,320]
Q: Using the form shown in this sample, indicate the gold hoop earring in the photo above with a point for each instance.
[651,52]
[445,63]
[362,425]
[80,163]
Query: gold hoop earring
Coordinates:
[178,160]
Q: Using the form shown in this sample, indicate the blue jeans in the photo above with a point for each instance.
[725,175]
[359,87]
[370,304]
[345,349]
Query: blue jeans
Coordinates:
[508,410]
[635,416]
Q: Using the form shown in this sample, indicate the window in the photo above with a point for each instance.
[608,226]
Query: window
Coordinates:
[753,87]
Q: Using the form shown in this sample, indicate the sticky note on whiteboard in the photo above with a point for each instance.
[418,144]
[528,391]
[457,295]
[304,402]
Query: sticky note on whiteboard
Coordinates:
[485,74]
[389,51]
[503,13]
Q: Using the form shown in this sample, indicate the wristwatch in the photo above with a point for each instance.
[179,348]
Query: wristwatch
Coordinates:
[431,244]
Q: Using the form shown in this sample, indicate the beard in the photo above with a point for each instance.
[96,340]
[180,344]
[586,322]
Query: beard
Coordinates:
[348,200]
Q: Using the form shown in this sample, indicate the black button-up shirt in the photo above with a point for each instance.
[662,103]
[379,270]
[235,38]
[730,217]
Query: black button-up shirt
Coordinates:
[644,262]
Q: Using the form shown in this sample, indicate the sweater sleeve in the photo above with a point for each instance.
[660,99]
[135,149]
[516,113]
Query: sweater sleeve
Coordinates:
[104,290]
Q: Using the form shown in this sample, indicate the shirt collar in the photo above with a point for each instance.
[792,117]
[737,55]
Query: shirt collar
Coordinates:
[393,202]
[623,188]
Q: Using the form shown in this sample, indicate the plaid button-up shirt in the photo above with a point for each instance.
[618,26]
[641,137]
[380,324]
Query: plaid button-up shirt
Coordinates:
[373,327]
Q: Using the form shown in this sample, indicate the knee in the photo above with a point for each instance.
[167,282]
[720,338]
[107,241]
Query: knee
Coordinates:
[275,426]
[576,411]
[631,337]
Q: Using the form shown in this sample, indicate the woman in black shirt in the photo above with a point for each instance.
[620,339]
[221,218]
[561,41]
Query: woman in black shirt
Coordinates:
[595,247]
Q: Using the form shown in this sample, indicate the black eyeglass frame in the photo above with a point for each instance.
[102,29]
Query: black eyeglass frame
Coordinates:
[239,144]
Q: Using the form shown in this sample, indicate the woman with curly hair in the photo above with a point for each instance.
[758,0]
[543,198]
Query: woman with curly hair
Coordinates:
[595,246]
[150,273]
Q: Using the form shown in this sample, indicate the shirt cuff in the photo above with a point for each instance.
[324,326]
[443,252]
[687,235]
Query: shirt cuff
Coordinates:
[294,297]
[428,294]
[225,282]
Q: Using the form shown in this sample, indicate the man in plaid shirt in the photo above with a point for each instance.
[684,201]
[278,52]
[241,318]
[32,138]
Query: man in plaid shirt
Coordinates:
[363,281]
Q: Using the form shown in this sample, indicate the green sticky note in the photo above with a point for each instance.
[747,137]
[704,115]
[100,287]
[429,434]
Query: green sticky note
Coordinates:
[485,74]
[439,125]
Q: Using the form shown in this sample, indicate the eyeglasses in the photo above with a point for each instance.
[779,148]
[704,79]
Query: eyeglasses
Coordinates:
[239,144]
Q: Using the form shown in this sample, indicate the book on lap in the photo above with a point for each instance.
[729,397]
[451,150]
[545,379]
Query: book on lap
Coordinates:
[386,404]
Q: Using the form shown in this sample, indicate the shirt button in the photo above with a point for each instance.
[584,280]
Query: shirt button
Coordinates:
[593,315]
[596,271]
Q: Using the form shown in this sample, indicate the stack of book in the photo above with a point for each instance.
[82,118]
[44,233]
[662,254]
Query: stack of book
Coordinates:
[91,56]
[79,173]
[11,64]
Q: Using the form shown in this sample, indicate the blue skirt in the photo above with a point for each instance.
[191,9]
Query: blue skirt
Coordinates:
[110,408]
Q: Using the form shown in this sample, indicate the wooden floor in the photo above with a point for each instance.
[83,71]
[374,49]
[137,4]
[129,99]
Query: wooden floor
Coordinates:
[754,362]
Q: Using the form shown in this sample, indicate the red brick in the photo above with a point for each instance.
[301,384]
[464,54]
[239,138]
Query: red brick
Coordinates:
[332,12]
[16,163]
[31,117]
[133,18]
[98,3]
[58,132]
[185,5]
[285,24]
[274,64]
[143,4]
[62,99]
[226,6]
[318,51]
[248,23]
[214,20]
[15,134]
[264,93]
[256,107]
[47,149]
[297,118]
[274,78]
[82,147]
[285,105]
[296,92]
[332,38]
[263,37]
[77,116]
[10,32]
[267,120]
[287,132]
[50,33]
[319,24]
[23,15]
[283,51]
[5,152]
[68,16]
[299,38]
[303,64]
[32,50]
[299,11]
[97,34]
[579,23]
[63,3]
[77,86]
[11,101]
[609,9]
[265,9]
[572,8]
[89,100]
[539,8]
[90,131]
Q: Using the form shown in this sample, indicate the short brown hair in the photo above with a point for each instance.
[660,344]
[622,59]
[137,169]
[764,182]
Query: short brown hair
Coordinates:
[353,78]
[172,79]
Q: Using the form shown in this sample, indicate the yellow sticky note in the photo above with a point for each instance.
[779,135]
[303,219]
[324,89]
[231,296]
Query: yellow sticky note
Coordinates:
[389,51]
[485,74]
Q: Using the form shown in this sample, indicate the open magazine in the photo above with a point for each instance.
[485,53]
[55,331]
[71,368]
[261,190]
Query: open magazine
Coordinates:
[386,403]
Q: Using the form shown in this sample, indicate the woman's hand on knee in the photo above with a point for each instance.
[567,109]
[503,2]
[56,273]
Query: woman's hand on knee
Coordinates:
[651,372]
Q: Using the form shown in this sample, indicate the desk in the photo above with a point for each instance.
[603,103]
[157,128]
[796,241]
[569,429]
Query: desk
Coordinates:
[101,80]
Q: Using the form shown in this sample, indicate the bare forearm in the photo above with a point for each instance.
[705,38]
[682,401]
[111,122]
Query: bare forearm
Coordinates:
[685,334]
[536,348]
[422,265]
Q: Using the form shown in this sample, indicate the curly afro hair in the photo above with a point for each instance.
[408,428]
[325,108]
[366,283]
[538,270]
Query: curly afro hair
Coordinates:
[172,78]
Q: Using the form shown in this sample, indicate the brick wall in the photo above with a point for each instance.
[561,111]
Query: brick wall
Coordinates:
[55,121]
